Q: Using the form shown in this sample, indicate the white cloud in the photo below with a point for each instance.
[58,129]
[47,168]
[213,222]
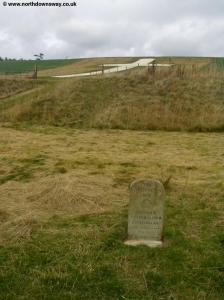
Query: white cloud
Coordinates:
[114,28]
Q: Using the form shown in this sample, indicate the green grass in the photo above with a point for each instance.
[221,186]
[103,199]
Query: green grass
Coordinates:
[215,65]
[14,66]
[220,63]
[85,258]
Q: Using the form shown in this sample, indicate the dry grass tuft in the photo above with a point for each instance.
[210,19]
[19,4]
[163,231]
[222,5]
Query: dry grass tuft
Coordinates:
[70,194]
[18,228]
[24,227]
[166,183]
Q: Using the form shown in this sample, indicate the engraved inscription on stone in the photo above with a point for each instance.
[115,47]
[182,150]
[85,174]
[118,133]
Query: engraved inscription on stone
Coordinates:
[145,216]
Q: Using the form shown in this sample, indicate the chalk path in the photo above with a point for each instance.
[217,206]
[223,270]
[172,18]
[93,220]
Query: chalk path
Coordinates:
[145,62]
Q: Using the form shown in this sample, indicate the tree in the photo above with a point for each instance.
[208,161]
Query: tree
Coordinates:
[39,56]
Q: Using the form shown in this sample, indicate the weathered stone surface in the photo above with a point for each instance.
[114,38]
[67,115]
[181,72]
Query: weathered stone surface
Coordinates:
[145,216]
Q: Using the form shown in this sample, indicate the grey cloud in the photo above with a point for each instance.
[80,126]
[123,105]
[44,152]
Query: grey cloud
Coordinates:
[114,28]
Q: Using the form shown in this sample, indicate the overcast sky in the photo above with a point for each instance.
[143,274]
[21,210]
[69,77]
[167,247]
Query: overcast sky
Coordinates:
[114,28]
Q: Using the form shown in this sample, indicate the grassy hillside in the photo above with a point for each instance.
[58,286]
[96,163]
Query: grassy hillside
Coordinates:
[21,66]
[134,101]
[12,87]
[63,215]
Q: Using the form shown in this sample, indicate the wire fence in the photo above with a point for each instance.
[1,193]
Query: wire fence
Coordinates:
[181,71]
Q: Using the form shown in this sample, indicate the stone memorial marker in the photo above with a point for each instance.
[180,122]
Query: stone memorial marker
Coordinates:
[145,215]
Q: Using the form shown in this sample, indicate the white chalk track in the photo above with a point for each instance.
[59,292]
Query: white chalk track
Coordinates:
[146,62]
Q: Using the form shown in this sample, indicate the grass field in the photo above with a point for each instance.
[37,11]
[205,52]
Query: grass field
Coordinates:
[63,214]
[69,150]
[21,66]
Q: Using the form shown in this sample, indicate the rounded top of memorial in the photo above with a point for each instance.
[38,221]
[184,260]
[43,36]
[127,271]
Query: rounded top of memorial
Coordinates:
[146,183]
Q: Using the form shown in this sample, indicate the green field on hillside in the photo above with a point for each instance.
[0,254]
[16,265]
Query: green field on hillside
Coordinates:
[21,66]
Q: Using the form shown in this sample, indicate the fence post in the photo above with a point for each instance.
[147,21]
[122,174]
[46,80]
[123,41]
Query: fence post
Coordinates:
[35,72]
[153,70]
